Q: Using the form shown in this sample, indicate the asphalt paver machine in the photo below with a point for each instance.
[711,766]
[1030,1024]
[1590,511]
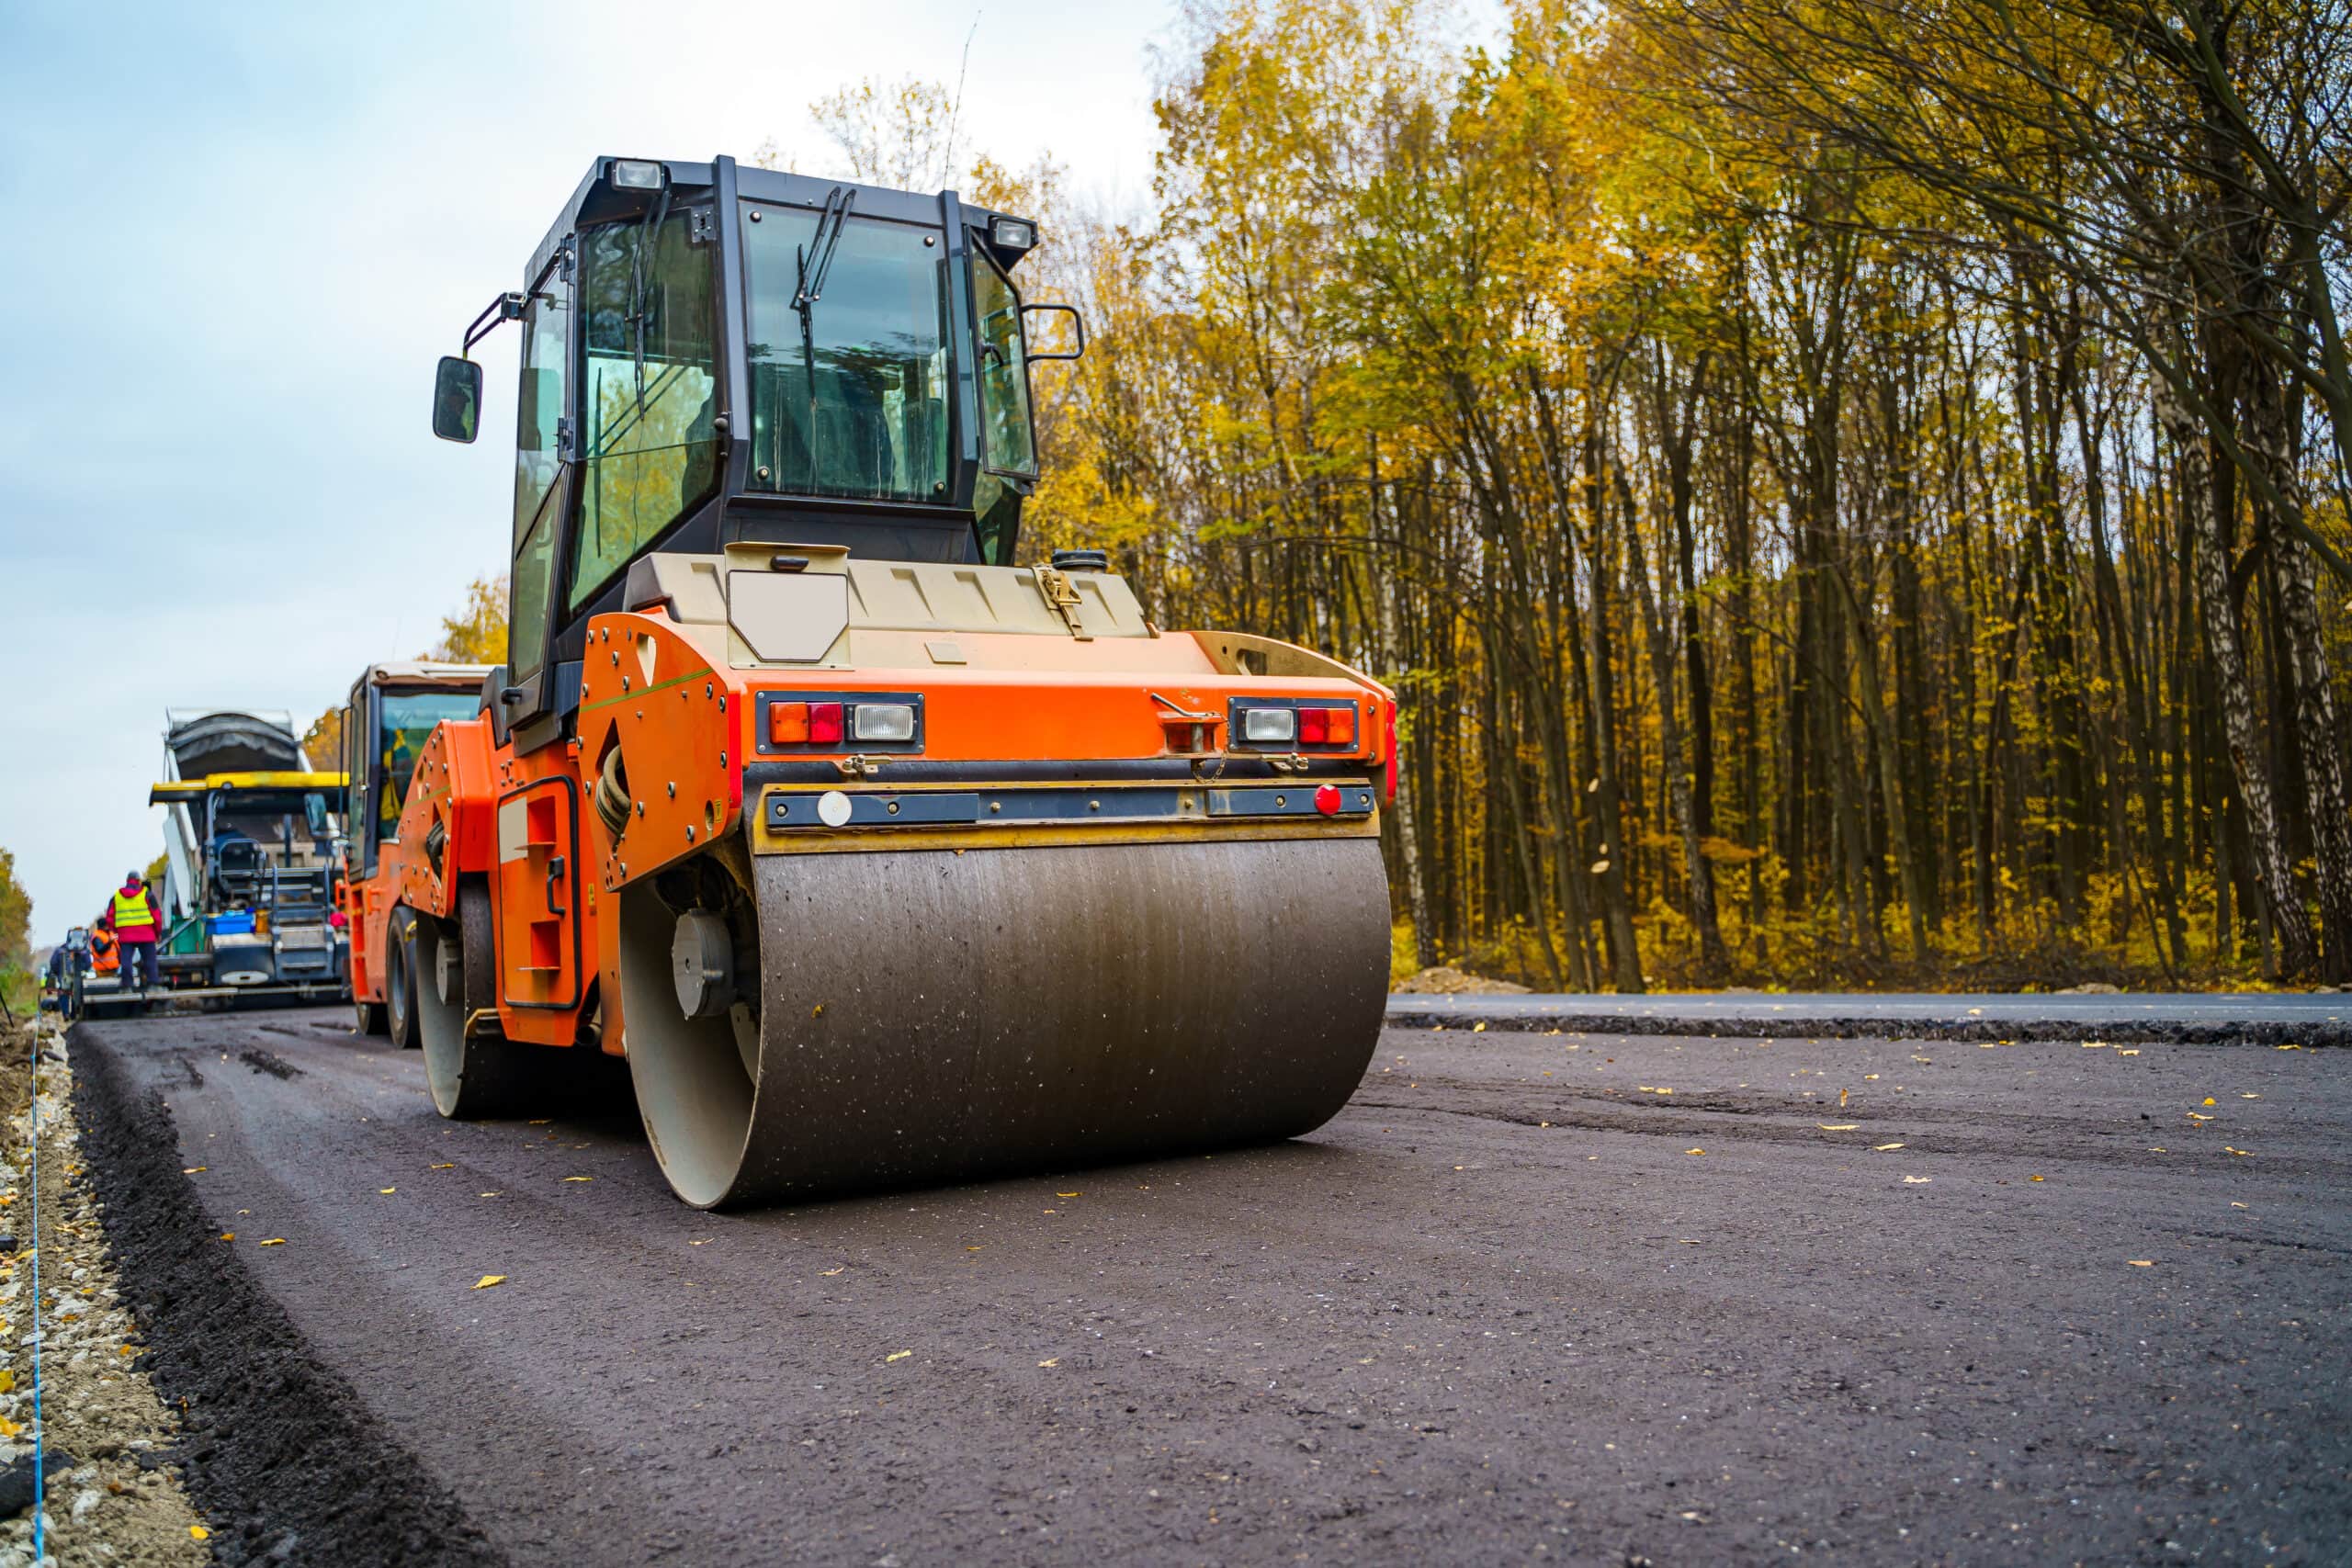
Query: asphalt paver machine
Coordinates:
[882,859]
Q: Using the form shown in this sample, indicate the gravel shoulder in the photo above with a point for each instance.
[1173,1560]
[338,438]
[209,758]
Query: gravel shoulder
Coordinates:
[112,1486]
[1531,1296]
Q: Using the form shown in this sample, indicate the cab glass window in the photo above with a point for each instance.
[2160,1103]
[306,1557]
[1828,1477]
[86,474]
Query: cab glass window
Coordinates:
[850,388]
[546,339]
[1010,444]
[538,460]
[649,452]
[409,721]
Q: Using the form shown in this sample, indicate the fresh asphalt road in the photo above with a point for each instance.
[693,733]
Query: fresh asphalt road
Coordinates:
[1530,1296]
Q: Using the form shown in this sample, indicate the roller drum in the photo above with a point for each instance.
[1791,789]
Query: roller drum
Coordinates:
[926,1016]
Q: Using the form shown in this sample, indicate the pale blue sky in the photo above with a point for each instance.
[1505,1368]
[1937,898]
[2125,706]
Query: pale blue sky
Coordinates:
[237,237]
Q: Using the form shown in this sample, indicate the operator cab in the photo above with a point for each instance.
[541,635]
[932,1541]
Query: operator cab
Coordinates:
[717,355]
[391,709]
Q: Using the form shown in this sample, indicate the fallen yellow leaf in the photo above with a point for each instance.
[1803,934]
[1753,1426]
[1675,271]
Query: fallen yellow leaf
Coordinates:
[494,1194]
[2237,1205]
[1694,1151]
[8,1380]
[386,1191]
[444,1165]
[1067,1194]
[275,1241]
[828,1273]
[228,1235]
[487,1281]
[539,1120]
[2037,1178]
[9,1428]
[2198,1115]
[200,1532]
[1841,1098]
[2208,1099]
[2242,1154]
[1838,1126]
[2141,1262]
[1479,1027]
[196,1169]
[579,1179]
[1881,1148]
[1051,1362]
[1916,1181]
[2127,1051]
[897,1356]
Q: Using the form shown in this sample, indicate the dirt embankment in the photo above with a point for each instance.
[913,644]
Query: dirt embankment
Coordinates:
[112,1490]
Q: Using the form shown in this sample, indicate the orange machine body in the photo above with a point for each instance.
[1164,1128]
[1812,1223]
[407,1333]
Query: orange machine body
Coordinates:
[693,730]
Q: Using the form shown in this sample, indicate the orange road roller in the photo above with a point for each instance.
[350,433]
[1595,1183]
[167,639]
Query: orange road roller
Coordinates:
[882,860]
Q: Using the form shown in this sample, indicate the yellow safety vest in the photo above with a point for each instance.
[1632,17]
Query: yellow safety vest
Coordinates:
[134,910]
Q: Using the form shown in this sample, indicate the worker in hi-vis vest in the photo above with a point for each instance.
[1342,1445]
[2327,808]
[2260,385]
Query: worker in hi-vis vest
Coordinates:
[136,925]
[106,953]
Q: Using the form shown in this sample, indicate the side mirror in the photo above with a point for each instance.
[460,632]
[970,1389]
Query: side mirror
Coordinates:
[457,399]
[1077,326]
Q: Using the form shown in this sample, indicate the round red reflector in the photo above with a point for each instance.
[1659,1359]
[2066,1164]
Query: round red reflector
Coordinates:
[1326,799]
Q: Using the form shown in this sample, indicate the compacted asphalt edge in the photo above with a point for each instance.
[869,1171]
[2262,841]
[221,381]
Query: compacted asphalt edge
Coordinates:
[2288,1020]
[279,1451]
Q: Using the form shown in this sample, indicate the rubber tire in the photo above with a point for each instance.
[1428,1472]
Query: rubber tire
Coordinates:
[399,978]
[370,1018]
[471,1078]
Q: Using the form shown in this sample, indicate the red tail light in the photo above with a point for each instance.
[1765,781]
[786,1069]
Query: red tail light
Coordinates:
[1314,726]
[824,724]
[1388,782]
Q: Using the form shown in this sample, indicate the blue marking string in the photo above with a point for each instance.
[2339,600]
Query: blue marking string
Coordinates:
[38,1478]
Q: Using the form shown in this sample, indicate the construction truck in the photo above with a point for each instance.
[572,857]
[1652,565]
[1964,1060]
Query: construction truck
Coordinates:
[392,710]
[251,857]
[882,859]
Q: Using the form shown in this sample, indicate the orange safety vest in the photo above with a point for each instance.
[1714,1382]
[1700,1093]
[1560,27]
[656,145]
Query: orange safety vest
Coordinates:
[134,910]
[105,954]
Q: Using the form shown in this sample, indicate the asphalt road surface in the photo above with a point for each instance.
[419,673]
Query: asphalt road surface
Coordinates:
[2264,1017]
[1596,1299]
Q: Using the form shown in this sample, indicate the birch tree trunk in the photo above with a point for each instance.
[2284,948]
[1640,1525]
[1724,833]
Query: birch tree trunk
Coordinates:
[2225,651]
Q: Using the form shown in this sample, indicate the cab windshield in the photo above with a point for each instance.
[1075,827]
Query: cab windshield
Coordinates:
[287,827]
[408,720]
[849,391]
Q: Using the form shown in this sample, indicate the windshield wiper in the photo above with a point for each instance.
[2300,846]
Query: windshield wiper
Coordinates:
[831,219]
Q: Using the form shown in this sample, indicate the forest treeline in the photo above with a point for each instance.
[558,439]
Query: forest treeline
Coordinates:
[1846,491]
